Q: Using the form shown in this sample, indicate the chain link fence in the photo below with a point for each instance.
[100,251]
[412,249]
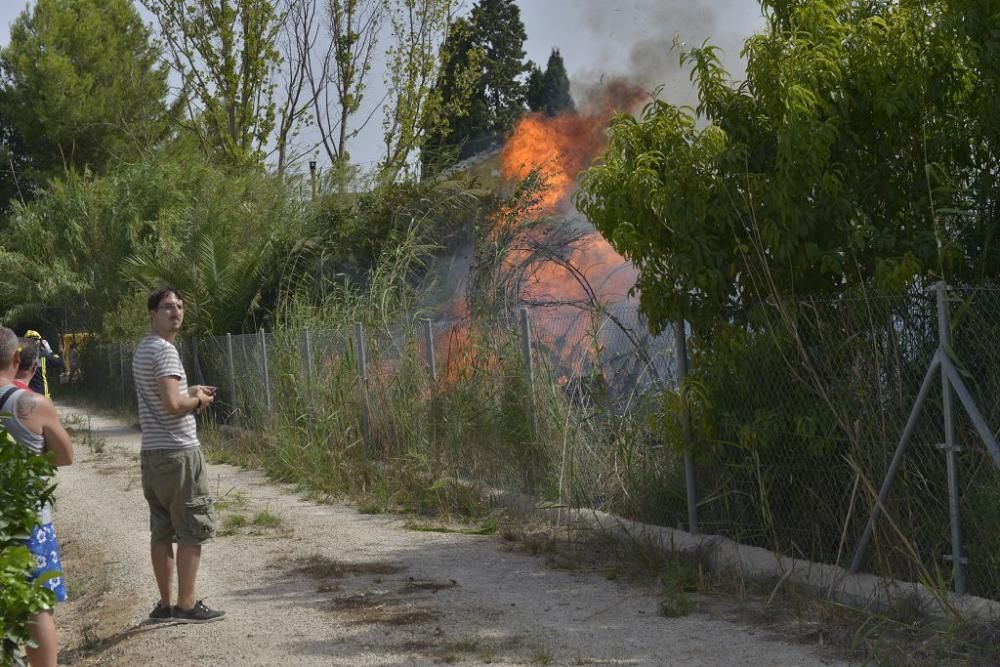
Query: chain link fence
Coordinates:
[801,410]
[792,418]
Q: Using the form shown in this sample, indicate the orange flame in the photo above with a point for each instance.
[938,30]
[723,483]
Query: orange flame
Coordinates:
[559,148]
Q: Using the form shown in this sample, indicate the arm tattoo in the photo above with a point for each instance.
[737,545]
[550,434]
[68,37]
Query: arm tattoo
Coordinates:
[26,404]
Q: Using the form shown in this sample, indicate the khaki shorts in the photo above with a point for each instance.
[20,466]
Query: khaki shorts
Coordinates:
[175,483]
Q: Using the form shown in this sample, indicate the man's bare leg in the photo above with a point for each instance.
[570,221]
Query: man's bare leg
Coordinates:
[162,556]
[188,558]
[43,630]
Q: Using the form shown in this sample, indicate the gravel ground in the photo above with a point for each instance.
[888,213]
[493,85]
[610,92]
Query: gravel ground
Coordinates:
[329,586]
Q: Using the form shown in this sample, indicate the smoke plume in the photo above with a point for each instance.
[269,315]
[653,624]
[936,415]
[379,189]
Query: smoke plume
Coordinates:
[645,30]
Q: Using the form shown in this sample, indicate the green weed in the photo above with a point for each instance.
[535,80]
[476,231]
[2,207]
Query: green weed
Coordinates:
[676,605]
[265,519]
[232,524]
[231,499]
[486,528]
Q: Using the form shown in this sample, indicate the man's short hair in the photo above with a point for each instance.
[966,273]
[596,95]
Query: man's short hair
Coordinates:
[153,302]
[8,346]
[29,354]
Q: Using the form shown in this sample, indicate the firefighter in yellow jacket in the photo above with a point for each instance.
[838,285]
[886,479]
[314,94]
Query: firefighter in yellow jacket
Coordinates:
[47,360]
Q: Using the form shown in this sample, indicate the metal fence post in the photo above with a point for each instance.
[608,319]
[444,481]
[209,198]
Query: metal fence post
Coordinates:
[680,347]
[431,361]
[307,351]
[121,377]
[267,379]
[896,463]
[950,447]
[432,365]
[199,375]
[111,369]
[530,369]
[359,332]
[231,369]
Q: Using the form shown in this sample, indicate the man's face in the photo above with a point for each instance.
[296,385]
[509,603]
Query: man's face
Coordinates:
[169,315]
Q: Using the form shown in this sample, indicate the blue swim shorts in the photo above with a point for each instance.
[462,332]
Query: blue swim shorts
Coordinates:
[44,547]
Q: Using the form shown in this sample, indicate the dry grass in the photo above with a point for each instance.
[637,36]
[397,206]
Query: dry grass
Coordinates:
[373,609]
[420,585]
[108,470]
[904,635]
[322,567]
[92,620]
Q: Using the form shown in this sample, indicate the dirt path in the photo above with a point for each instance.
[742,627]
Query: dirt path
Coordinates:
[314,584]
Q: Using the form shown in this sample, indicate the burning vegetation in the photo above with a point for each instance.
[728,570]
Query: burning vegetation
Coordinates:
[555,258]
[538,250]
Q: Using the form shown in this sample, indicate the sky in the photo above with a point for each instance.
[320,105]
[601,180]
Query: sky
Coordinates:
[597,38]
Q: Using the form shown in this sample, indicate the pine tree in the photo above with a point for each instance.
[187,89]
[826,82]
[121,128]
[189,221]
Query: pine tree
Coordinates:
[454,93]
[500,33]
[81,84]
[555,86]
[480,86]
[536,88]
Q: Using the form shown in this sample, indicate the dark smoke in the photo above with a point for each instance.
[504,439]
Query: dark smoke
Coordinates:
[647,29]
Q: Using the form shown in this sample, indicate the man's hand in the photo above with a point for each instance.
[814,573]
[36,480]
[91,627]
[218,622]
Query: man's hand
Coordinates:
[204,394]
[45,347]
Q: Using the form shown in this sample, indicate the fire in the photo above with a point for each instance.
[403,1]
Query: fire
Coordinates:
[558,147]
[590,272]
[561,147]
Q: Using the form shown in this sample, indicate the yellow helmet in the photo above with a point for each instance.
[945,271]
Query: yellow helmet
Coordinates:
[31,333]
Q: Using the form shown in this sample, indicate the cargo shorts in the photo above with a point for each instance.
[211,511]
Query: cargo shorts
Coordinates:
[175,484]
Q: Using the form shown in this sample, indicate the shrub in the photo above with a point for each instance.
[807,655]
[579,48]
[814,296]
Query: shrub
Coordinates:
[24,487]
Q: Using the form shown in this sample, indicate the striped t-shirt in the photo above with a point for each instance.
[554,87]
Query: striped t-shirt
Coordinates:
[155,358]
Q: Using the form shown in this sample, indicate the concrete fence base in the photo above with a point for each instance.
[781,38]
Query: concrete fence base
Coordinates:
[723,555]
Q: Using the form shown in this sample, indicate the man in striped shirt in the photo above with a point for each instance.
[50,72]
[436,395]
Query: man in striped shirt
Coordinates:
[174,475]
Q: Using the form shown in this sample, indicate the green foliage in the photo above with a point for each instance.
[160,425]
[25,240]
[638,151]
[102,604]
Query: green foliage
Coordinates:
[784,218]
[81,84]
[346,236]
[480,84]
[353,29]
[416,106]
[462,112]
[676,605]
[500,35]
[556,97]
[548,91]
[224,53]
[15,181]
[24,487]
[851,155]
[534,95]
[89,245]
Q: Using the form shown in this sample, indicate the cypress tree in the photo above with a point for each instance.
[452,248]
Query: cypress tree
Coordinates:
[556,95]
[536,88]
[480,87]
[500,33]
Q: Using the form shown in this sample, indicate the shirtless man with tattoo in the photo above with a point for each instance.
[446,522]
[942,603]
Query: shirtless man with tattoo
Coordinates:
[35,425]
